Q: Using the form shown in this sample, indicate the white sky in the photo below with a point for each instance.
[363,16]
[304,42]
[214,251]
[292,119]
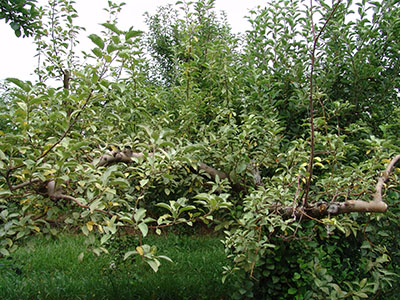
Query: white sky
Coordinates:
[17,54]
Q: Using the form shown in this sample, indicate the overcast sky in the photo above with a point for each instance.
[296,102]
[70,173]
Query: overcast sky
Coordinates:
[17,54]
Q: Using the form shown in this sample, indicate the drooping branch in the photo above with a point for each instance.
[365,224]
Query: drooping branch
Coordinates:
[127,154]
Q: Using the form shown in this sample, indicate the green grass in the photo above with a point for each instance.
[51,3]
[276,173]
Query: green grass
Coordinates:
[51,270]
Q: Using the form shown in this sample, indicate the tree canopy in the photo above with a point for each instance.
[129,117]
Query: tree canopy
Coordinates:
[284,139]
[22,15]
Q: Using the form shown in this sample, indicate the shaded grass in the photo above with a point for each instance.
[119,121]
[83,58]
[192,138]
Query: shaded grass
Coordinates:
[51,270]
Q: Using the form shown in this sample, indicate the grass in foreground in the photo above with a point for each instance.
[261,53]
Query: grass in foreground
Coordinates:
[49,269]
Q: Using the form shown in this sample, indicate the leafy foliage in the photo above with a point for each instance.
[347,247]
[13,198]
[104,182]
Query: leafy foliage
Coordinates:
[215,128]
[22,15]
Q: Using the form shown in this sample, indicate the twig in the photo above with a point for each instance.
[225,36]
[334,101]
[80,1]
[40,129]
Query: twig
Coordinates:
[73,199]
[312,218]
[24,184]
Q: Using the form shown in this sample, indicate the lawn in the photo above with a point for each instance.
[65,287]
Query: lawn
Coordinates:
[50,269]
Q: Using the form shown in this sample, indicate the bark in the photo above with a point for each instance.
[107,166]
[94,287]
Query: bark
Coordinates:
[124,156]
[213,172]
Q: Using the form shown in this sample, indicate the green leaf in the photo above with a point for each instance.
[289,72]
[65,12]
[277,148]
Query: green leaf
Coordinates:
[164,205]
[97,251]
[105,177]
[203,196]
[15,26]
[112,27]
[241,167]
[186,208]
[122,182]
[132,33]
[97,40]
[94,205]
[165,144]
[111,48]
[193,148]
[19,83]
[154,264]
[140,214]
[85,230]
[144,229]
[97,52]
[143,182]
[2,155]
[361,295]
[105,238]
[127,219]
[129,253]
[124,54]
[165,258]
[18,32]
[4,252]
[292,291]
[363,282]
[4,214]
[79,145]
[336,287]
[23,106]
[5,193]
[20,234]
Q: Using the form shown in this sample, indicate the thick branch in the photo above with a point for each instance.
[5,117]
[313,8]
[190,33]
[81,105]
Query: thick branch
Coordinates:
[213,172]
[126,156]
[119,156]
[384,178]
[324,209]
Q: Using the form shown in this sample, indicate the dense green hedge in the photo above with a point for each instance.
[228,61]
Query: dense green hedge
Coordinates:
[254,135]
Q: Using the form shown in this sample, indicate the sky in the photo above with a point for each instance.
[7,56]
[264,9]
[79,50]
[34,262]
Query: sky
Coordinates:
[17,54]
